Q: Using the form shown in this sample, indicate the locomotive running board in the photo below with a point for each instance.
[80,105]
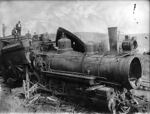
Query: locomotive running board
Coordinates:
[89,80]
[94,87]
[79,77]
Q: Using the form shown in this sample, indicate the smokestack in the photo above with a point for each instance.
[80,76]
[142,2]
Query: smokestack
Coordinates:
[112,32]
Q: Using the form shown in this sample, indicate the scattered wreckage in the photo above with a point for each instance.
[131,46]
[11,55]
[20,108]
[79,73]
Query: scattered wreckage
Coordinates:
[69,67]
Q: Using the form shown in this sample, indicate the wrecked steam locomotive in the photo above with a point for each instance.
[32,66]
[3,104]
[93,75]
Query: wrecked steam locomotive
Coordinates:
[77,69]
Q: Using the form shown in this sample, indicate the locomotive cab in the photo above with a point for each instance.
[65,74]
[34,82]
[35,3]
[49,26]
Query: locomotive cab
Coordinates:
[76,44]
[129,44]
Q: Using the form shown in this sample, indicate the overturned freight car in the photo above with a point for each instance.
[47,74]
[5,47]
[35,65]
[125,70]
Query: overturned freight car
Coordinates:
[12,61]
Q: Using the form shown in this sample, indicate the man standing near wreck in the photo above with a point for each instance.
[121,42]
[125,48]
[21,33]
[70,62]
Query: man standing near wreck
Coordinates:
[14,32]
[18,28]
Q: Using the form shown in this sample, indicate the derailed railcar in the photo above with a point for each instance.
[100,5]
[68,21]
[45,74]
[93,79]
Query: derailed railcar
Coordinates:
[14,54]
[13,61]
[76,69]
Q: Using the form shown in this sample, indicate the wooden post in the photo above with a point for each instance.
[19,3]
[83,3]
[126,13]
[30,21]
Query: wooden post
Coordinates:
[3,30]
[24,87]
[27,82]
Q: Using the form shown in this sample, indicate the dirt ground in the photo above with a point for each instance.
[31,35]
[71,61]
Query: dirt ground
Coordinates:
[9,102]
[14,101]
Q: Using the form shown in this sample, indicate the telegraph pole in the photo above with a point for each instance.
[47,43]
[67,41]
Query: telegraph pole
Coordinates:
[3,30]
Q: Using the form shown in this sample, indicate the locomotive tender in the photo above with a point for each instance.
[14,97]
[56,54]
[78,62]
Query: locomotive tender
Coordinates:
[75,68]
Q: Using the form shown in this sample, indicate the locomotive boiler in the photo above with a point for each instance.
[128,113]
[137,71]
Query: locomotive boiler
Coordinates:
[76,68]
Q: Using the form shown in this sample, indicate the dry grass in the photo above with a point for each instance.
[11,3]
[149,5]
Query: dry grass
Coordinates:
[146,66]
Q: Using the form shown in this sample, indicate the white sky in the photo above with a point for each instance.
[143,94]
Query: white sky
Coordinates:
[76,16]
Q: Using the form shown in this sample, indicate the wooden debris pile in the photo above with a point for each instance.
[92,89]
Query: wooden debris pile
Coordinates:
[33,98]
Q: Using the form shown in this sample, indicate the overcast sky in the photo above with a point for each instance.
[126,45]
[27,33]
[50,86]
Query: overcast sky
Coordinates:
[76,16]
